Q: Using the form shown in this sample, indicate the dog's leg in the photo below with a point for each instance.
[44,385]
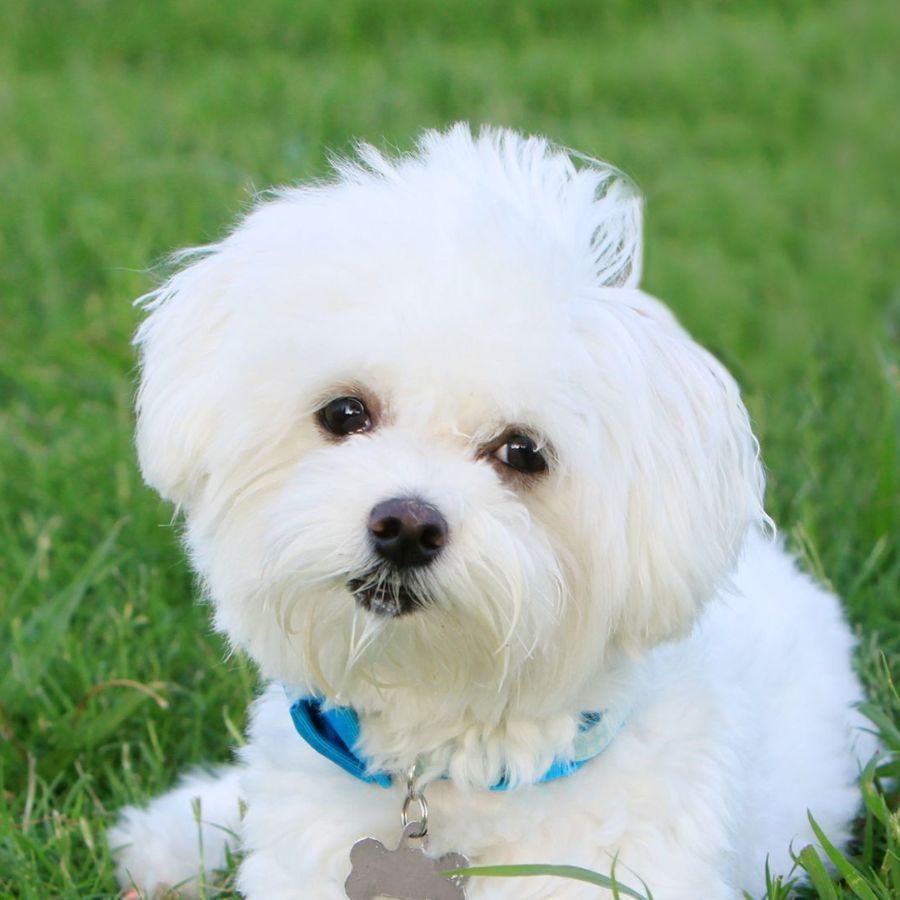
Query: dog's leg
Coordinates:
[181,837]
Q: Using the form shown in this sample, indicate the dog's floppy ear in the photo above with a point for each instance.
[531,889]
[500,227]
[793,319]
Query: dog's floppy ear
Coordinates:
[178,397]
[696,481]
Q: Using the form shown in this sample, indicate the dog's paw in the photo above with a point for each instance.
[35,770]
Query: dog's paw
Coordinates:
[168,848]
[153,854]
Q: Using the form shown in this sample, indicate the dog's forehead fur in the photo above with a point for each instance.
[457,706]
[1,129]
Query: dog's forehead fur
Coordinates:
[425,358]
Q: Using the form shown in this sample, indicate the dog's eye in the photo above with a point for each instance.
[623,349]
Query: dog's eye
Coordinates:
[522,454]
[345,415]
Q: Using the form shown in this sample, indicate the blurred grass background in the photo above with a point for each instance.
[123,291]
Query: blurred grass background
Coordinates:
[765,136]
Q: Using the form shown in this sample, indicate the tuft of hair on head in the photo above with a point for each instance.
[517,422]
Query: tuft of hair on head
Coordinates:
[583,199]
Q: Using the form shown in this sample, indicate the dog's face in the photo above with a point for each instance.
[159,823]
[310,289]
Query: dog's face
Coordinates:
[425,430]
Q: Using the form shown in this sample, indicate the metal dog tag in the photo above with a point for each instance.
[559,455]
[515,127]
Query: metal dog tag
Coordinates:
[405,873]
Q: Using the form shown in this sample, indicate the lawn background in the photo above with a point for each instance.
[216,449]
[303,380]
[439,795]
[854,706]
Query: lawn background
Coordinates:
[764,135]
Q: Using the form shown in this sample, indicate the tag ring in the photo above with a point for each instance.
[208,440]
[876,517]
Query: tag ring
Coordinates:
[414,795]
[421,820]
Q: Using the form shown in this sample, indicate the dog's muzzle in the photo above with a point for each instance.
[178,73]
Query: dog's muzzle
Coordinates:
[406,534]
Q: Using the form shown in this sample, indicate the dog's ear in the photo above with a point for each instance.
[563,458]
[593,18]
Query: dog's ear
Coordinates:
[695,483]
[179,393]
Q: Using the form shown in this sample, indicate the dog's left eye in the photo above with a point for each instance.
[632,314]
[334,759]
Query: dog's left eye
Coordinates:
[345,415]
[521,453]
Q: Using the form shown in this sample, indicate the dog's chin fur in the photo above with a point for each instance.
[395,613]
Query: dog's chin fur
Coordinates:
[480,284]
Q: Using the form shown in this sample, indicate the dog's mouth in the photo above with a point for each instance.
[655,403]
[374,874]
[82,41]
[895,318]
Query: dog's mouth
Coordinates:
[385,597]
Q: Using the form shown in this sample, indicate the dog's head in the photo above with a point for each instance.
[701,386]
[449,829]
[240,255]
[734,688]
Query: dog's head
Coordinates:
[424,429]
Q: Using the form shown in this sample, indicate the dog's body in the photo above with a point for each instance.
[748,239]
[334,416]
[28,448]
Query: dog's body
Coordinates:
[442,462]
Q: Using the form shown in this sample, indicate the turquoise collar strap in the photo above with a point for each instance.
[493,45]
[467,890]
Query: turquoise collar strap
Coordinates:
[333,732]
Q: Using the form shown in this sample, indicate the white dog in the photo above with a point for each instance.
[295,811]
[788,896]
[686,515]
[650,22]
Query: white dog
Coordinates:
[480,509]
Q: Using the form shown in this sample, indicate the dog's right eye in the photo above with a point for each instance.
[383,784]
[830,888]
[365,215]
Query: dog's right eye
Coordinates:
[344,416]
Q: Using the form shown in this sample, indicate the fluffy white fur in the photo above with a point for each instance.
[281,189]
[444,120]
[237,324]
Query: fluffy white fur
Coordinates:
[481,282]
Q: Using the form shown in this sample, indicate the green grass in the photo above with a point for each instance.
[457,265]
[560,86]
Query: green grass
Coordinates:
[764,135]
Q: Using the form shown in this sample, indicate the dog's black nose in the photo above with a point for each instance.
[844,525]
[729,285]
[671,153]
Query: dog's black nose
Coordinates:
[407,531]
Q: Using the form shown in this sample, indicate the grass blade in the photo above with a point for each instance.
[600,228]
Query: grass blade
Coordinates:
[889,733]
[574,873]
[854,878]
[818,874]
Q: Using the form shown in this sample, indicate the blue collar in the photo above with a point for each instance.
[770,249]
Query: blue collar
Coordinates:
[333,732]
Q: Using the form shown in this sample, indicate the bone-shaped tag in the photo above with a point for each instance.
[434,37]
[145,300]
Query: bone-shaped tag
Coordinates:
[403,874]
